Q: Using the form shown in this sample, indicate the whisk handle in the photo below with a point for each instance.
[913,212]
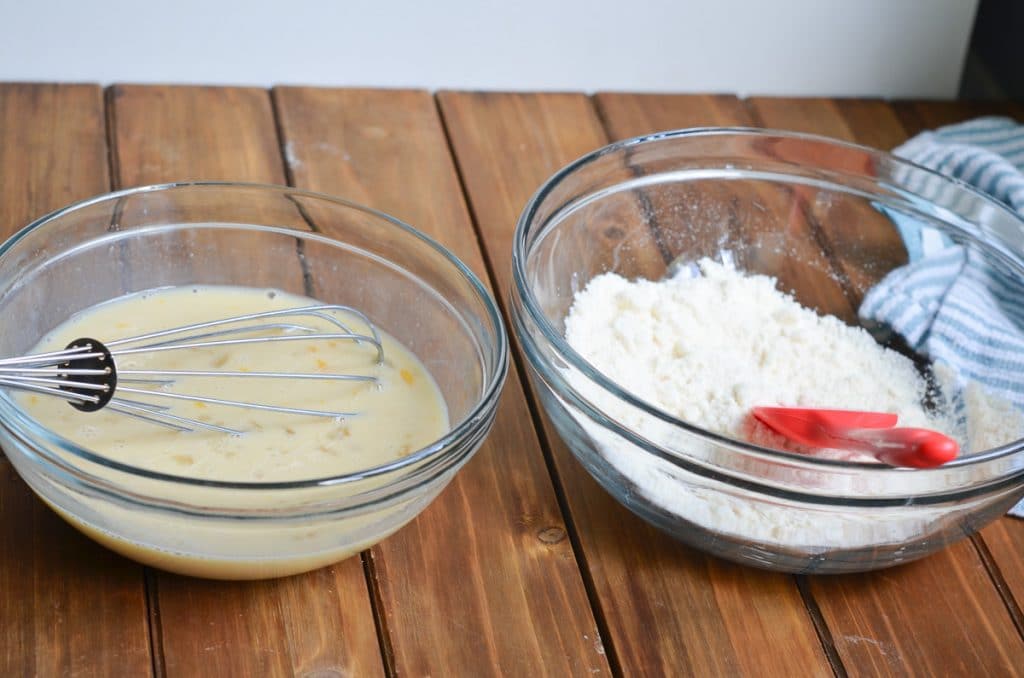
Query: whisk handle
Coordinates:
[102,360]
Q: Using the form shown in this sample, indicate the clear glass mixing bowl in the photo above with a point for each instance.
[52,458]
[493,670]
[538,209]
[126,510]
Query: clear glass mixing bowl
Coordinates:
[264,237]
[816,214]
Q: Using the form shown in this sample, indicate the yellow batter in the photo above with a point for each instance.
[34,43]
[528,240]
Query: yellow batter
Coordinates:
[399,412]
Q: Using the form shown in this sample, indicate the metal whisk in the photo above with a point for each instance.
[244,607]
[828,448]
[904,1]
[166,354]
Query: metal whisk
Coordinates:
[85,374]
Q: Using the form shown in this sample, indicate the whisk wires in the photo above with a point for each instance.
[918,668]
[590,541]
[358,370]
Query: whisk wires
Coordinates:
[86,375]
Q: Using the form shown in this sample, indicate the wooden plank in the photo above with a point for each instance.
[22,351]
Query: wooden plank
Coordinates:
[868,614]
[633,115]
[484,582]
[799,115]
[667,609]
[918,116]
[67,605]
[165,134]
[1004,539]
[53,150]
[937,616]
[758,212]
[862,243]
[318,622]
[871,122]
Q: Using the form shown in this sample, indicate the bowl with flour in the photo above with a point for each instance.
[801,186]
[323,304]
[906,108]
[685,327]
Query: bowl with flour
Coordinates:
[666,285]
[270,493]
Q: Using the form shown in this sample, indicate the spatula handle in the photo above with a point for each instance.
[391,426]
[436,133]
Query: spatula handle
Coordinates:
[915,447]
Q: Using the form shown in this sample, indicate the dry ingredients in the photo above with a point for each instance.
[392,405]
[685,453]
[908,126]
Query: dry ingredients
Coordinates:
[707,349]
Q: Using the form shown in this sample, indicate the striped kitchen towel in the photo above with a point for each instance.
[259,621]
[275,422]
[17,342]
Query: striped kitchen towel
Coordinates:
[987,153]
[949,303]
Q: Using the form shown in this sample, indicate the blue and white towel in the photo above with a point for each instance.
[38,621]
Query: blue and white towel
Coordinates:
[948,302]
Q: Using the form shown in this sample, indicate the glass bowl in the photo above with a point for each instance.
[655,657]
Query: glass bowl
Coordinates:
[818,215]
[264,237]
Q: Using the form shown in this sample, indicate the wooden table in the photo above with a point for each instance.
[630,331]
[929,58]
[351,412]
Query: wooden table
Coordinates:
[523,566]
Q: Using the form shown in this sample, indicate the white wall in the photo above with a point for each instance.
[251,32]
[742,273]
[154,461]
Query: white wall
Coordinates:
[912,48]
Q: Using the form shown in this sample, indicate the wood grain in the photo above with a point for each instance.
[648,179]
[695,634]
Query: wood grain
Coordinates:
[53,150]
[867,614]
[859,239]
[321,622]
[917,116]
[163,134]
[769,232]
[1004,538]
[668,610]
[633,115]
[937,616]
[67,606]
[484,581]
[870,122]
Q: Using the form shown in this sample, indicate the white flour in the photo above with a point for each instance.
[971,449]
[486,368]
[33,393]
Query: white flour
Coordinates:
[707,349]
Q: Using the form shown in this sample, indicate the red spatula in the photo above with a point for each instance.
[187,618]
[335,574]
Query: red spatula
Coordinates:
[870,432]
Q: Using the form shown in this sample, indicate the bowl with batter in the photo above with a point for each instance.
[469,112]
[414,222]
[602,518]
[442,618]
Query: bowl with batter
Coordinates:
[666,286]
[207,461]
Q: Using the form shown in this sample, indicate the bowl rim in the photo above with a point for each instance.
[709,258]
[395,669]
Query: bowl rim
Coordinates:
[570,355]
[450,442]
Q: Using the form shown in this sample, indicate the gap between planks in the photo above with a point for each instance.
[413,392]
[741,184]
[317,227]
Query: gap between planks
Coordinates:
[811,607]
[493,226]
[72,606]
[535,414]
[886,141]
[821,627]
[518,363]
[447,217]
[260,625]
[999,581]
[149,578]
[387,654]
